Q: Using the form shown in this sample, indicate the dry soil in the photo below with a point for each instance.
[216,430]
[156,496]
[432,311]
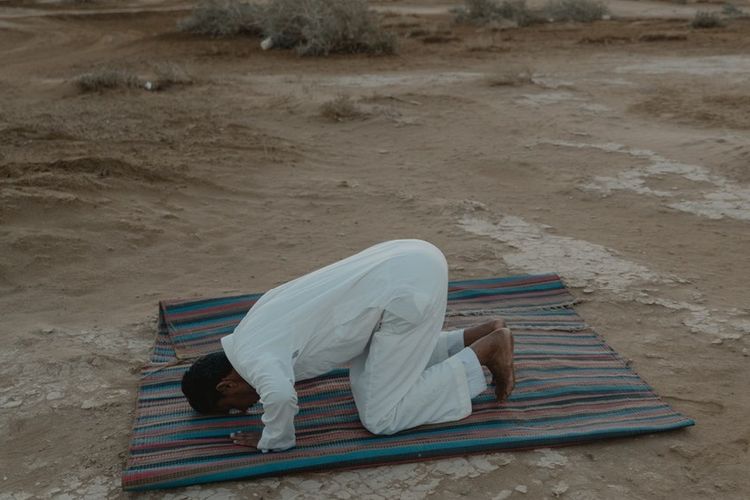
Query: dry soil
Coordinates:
[615,153]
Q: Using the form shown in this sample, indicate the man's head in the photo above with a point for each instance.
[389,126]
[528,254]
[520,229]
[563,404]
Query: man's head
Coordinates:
[211,385]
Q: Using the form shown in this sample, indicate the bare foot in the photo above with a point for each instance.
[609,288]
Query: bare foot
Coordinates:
[495,351]
[476,332]
[501,365]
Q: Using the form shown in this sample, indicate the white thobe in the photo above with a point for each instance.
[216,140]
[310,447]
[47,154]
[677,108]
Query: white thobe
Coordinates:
[380,310]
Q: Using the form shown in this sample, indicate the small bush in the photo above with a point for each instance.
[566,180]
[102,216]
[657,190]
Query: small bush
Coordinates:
[705,19]
[341,109]
[662,36]
[106,78]
[486,11]
[312,27]
[220,18]
[511,76]
[477,11]
[581,11]
[321,27]
[731,10]
[169,75]
[516,10]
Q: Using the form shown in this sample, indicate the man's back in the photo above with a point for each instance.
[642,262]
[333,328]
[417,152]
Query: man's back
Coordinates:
[325,318]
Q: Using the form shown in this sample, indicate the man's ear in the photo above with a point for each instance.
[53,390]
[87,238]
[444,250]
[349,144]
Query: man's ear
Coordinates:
[226,385]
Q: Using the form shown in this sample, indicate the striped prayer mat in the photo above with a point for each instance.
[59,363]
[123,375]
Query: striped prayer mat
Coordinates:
[571,387]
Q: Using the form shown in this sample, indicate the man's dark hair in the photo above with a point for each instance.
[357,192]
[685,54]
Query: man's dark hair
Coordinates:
[200,381]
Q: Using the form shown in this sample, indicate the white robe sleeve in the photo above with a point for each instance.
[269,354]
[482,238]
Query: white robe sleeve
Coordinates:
[272,380]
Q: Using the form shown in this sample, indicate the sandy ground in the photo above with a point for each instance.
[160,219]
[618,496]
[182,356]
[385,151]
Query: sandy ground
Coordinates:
[624,165]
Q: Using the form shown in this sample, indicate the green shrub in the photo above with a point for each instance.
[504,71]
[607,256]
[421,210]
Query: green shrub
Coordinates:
[731,10]
[705,19]
[321,27]
[477,11]
[220,18]
[312,27]
[486,11]
[581,11]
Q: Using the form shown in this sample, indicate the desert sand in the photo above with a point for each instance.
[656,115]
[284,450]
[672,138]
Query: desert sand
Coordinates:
[620,159]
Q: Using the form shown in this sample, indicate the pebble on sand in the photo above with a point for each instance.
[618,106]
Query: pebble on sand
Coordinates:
[560,488]
[502,495]
[12,403]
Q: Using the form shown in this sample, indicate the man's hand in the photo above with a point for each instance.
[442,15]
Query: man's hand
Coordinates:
[249,439]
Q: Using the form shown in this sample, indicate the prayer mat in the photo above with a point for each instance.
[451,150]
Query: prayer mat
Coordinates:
[571,387]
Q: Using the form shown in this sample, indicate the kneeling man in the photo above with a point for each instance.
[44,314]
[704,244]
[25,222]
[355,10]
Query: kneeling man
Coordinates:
[380,311]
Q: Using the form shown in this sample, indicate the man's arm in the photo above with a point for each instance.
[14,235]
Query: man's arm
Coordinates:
[279,409]
[279,399]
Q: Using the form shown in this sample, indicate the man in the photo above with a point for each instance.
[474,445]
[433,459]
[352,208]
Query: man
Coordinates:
[381,311]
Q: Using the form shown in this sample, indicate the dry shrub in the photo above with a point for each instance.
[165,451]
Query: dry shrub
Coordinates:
[477,12]
[434,35]
[220,18]
[418,32]
[170,75]
[486,11]
[340,109]
[581,11]
[662,36]
[732,11]
[439,38]
[321,27]
[511,76]
[106,78]
[704,19]
[605,39]
[312,27]
[483,45]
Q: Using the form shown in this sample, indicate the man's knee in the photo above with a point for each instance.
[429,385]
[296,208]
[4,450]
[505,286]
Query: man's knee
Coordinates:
[378,424]
[380,428]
